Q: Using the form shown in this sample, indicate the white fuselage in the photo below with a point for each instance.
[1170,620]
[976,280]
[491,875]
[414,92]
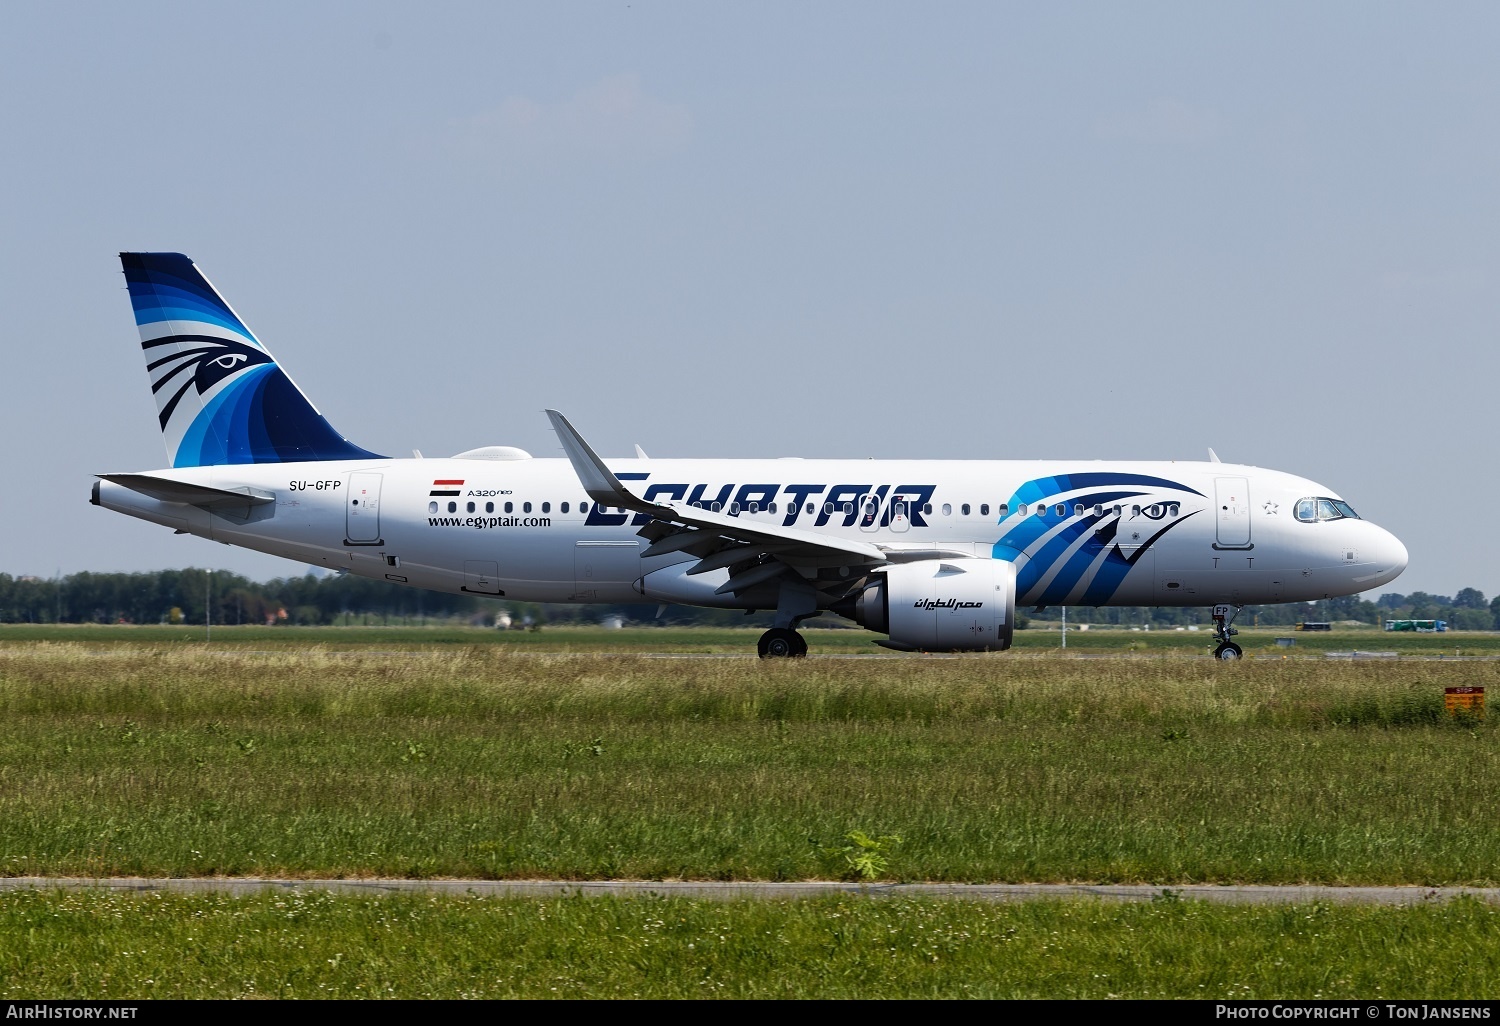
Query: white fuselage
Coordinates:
[1110,533]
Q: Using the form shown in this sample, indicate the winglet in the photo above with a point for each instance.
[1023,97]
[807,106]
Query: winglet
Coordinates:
[598,480]
[1213,457]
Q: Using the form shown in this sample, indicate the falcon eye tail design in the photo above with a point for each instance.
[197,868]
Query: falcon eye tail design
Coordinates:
[220,397]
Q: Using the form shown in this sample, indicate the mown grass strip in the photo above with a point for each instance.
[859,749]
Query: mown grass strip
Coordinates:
[492,763]
[1259,643]
[110,946]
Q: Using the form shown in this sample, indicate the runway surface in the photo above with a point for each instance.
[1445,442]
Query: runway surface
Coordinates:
[1298,894]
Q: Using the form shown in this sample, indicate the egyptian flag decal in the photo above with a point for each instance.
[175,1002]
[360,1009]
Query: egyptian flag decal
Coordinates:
[447,487]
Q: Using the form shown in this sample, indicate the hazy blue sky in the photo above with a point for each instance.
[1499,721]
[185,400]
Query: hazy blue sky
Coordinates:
[921,230]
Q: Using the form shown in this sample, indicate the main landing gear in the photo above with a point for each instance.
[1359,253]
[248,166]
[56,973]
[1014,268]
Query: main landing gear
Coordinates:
[781,643]
[1227,650]
[795,601]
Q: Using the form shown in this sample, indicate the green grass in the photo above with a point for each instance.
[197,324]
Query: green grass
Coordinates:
[489,761]
[102,945]
[1258,643]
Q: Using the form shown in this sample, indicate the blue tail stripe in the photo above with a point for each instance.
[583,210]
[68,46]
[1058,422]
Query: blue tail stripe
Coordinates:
[256,415]
[166,286]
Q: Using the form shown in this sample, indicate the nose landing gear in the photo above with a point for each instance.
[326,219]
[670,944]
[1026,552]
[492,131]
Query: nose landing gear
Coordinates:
[1227,650]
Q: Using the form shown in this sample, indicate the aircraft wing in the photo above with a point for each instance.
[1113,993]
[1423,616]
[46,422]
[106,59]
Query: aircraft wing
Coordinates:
[717,539]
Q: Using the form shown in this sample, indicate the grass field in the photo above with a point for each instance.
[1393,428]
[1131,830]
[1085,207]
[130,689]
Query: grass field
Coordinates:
[102,945]
[454,752]
[497,762]
[1259,643]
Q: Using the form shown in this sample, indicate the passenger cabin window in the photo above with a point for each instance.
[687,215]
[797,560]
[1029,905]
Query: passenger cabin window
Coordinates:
[432,507]
[470,507]
[947,509]
[964,509]
[984,509]
[1098,510]
[563,508]
[525,507]
[1005,510]
[927,508]
[583,507]
[510,507]
[452,507]
[1078,509]
[1173,509]
[546,507]
[489,507]
[1021,510]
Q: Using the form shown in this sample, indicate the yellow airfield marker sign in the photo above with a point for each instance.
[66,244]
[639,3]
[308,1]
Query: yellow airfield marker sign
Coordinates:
[1469,700]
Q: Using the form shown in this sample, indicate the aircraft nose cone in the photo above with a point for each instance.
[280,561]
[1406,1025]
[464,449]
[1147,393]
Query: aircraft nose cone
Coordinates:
[1389,555]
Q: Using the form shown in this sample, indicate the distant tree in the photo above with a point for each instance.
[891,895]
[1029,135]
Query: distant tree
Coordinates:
[1422,605]
[1391,600]
[1472,619]
[1470,598]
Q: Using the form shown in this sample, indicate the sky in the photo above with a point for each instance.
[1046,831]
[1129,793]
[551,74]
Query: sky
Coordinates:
[954,230]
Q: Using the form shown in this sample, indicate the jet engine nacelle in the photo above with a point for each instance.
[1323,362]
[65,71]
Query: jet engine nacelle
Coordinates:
[940,605]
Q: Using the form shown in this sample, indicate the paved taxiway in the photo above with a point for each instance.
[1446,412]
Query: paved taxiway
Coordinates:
[1296,894]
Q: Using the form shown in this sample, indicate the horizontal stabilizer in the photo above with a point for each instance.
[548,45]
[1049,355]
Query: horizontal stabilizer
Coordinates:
[164,489]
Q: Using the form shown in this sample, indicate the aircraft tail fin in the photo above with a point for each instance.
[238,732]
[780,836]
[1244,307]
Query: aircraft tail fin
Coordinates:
[220,396]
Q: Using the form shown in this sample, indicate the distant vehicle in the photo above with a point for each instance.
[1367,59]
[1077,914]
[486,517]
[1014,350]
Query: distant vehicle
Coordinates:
[1417,626]
[1311,626]
[940,555]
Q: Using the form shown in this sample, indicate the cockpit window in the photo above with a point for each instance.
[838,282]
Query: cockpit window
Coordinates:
[1313,509]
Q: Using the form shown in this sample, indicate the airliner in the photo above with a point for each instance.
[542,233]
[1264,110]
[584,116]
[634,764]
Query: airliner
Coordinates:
[936,555]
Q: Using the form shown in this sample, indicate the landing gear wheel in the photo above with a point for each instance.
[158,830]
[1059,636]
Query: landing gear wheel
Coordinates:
[1223,618]
[781,643]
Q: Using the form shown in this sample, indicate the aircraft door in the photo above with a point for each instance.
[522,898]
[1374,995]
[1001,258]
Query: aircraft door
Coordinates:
[362,510]
[1232,513]
[869,513]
